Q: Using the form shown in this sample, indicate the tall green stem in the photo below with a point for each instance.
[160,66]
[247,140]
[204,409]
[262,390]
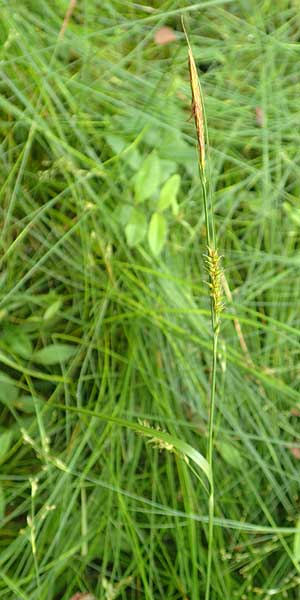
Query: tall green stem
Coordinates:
[210,240]
[211,503]
[214,272]
[211,243]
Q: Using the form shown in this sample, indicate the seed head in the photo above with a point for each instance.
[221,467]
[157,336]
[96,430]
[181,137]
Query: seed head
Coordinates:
[214,269]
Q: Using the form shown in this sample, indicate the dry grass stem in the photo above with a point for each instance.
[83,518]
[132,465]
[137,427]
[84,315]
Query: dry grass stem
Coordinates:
[68,15]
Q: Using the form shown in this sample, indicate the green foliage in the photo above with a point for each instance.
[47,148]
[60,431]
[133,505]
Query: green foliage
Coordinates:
[2,503]
[52,310]
[136,227]
[157,233]
[17,341]
[150,185]
[147,178]
[8,389]
[230,454]
[104,309]
[168,194]
[5,443]
[54,354]
[297,542]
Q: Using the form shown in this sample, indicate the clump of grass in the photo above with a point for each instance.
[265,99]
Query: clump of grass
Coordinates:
[112,514]
[214,270]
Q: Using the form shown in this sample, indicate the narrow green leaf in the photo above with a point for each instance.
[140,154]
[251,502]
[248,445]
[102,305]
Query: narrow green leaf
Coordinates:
[181,446]
[5,443]
[2,503]
[296,549]
[169,192]
[147,178]
[136,228]
[54,354]
[293,212]
[157,233]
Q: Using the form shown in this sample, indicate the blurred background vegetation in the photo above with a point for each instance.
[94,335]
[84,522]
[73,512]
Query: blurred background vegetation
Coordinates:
[103,304]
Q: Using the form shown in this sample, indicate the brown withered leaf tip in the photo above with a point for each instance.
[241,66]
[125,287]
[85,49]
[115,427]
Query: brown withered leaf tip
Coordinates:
[68,15]
[197,108]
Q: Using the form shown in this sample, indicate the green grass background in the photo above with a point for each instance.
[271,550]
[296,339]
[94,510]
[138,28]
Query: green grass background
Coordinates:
[86,503]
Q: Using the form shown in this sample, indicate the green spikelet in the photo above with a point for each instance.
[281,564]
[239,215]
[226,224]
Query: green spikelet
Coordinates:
[214,269]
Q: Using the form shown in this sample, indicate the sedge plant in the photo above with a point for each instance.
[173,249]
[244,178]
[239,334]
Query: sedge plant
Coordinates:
[214,270]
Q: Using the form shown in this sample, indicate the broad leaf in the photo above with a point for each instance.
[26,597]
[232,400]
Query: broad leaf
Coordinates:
[169,192]
[147,178]
[122,214]
[54,354]
[8,390]
[136,228]
[18,342]
[25,404]
[157,233]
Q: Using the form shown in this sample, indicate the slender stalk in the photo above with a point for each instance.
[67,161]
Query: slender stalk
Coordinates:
[211,501]
[213,267]
[205,202]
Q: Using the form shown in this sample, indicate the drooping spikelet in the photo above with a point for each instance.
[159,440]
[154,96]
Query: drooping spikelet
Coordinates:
[214,269]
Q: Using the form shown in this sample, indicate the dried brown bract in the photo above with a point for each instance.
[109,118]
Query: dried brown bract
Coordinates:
[197,105]
[197,108]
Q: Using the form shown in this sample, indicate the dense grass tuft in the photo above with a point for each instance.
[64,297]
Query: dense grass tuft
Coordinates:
[104,314]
